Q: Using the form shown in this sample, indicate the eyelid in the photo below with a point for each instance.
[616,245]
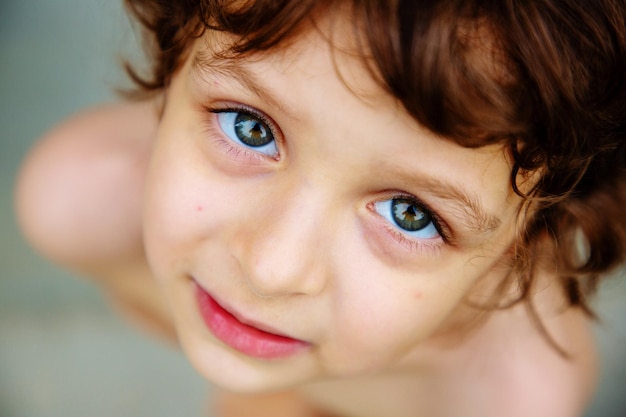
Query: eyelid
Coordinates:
[240,153]
[250,111]
[439,223]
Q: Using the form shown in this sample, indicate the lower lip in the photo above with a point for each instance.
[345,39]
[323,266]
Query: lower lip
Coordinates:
[242,337]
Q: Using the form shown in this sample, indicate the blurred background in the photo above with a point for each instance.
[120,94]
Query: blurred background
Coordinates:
[62,352]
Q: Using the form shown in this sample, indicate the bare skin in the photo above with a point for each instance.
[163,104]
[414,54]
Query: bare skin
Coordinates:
[79,202]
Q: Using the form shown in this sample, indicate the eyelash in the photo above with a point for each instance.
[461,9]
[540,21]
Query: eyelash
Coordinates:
[237,152]
[410,243]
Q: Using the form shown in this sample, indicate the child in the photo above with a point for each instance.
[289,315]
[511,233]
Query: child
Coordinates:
[356,208]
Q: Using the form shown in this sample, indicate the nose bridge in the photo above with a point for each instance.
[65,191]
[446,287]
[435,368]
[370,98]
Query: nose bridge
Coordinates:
[284,254]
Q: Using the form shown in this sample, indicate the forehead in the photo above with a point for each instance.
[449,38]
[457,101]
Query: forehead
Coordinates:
[328,50]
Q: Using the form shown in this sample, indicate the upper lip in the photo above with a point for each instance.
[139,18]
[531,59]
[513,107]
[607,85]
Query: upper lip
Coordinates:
[245,320]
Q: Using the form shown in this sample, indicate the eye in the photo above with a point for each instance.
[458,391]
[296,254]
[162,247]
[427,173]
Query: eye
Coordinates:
[409,216]
[248,130]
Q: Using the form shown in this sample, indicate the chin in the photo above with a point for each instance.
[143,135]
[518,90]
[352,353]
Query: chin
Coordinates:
[236,372]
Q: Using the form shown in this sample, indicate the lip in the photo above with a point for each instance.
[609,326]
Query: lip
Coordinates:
[243,337]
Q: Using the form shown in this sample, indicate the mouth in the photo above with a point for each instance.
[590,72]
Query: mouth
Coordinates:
[243,337]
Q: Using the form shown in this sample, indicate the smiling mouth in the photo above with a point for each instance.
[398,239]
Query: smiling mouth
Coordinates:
[243,337]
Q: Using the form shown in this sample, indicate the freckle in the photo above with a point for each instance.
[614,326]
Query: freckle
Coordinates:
[418,295]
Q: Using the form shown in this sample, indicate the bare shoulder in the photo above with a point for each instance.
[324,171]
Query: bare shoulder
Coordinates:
[79,203]
[78,195]
[530,377]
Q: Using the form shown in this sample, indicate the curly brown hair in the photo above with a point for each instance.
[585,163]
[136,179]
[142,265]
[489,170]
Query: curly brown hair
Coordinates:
[553,91]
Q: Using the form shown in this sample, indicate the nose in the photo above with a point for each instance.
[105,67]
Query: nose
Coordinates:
[284,245]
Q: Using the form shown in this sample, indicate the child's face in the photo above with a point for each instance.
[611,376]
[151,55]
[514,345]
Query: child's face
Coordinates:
[318,212]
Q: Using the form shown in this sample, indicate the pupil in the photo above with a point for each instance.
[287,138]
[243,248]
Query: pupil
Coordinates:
[408,215]
[251,131]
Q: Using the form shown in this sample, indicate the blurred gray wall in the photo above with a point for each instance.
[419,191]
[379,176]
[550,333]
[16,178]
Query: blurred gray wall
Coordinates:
[62,353]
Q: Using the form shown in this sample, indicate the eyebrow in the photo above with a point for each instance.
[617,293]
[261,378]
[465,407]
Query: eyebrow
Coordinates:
[466,204]
[207,66]
[473,214]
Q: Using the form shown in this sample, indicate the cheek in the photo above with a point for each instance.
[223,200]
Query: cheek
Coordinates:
[379,324]
[381,315]
[376,336]
[183,207]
